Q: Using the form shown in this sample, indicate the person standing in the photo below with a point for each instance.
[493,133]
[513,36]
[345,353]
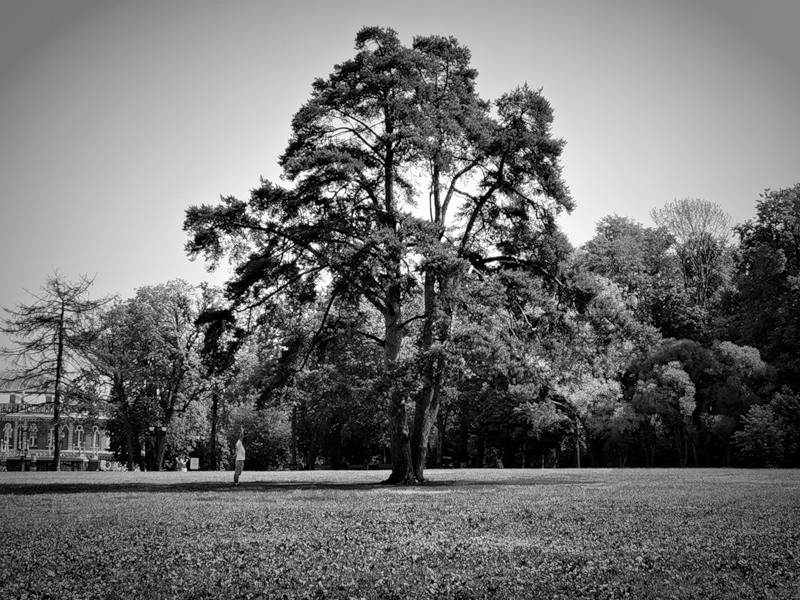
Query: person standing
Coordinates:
[240,453]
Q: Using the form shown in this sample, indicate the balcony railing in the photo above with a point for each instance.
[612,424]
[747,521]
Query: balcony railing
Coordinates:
[48,454]
[26,408]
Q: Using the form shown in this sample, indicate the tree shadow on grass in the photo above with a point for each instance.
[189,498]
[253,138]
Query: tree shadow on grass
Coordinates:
[27,489]
[204,487]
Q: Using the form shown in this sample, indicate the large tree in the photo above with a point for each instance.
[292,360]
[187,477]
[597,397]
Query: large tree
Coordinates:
[50,337]
[391,130]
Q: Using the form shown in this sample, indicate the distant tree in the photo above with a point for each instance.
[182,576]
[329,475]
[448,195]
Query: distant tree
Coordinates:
[770,433]
[728,379]
[188,435]
[333,396]
[148,354]
[628,253]
[520,344]
[701,230]
[546,424]
[600,337]
[498,365]
[169,347]
[118,376]
[640,261]
[267,432]
[221,340]
[668,395]
[390,128]
[760,442]
[786,408]
[763,311]
[50,338]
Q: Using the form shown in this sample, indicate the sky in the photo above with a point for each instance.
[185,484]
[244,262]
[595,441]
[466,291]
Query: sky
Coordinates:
[116,116]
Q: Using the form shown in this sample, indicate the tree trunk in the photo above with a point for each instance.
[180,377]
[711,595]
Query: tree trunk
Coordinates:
[335,432]
[402,464]
[213,444]
[427,405]
[56,466]
[481,451]
[128,438]
[161,438]
[294,435]
[310,455]
[161,446]
[680,446]
[441,427]
[57,390]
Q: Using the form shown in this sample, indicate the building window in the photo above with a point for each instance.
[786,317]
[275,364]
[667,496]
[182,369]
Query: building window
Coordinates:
[50,440]
[33,433]
[13,399]
[7,433]
[78,442]
[95,438]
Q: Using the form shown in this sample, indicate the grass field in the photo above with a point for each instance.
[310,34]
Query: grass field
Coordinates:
[465,534]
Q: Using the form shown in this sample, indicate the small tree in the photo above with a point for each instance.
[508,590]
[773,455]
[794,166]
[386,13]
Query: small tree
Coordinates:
[50,337]
[770,436]
[760,442]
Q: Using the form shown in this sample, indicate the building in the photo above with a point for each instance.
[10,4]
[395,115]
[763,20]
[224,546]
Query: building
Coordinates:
[26,434]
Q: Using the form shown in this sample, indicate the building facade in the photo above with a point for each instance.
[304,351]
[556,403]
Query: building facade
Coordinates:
[27,432]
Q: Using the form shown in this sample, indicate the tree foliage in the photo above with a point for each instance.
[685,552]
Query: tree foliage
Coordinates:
[763,310]
[146,360]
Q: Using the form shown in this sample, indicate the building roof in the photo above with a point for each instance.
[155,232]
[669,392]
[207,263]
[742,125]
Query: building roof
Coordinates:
[14,382]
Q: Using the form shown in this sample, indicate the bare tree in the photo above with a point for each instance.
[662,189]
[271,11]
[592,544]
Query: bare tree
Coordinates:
[48,337]
[701,230]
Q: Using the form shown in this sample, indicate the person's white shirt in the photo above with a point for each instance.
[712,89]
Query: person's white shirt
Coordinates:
[239,450]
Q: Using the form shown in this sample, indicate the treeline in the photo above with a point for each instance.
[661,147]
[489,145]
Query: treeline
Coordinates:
[671,345]
[647,346]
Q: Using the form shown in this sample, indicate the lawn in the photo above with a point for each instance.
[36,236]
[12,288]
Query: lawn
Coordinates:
[465,534]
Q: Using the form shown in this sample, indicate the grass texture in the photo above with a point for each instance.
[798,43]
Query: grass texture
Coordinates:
[464,534]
